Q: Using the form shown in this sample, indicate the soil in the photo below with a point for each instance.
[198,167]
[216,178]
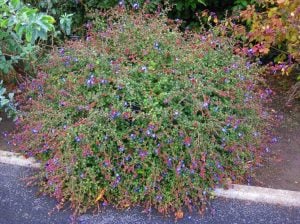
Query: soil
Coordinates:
[6,126]
[281,170]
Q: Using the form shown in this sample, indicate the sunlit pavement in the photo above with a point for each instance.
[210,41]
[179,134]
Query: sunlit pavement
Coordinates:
[20,205]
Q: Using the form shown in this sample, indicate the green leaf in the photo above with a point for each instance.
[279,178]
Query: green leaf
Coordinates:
[28,35]
[15,3]
[19,30]
[202,2]
[3,102]
[48,19]
[3,23]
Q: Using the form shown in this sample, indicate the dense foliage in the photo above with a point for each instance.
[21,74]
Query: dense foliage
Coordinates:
[275,27]
[6,102]
[183,9]
[21,26]
[140,113]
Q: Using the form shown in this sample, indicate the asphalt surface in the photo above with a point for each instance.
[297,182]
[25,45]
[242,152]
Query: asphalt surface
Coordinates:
[20,205]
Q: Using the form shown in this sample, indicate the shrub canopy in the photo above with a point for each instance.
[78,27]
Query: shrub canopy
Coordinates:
[140,113]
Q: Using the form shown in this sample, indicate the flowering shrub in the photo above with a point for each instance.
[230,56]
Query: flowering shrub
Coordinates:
[140,113]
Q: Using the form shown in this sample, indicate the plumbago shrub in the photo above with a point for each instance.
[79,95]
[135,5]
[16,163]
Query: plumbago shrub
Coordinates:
[141,114]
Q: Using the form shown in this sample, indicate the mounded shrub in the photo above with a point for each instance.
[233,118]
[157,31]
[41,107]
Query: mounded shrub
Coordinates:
[140,113]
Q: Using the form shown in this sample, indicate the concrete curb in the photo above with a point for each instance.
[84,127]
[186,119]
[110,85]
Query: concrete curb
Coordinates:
[260,194]
[240,192]
[17,159]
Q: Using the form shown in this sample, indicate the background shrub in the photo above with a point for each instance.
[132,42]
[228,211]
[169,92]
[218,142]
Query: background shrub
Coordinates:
[182,9]
[274,27]
[6,102]
[140,113]
[21,26]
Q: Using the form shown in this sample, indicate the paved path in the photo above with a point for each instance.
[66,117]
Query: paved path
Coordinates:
[20,205]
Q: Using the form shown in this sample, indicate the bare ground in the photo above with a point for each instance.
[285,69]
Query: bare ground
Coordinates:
[281,169]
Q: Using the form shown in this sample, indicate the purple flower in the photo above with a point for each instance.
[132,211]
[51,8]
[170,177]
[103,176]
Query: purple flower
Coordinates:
[143,153]
[148,132]
[114,114]
[4,133]
[159,197]
[169,140]
[121,3]
[169,163]
[268,91]
[144,68]
[121,149]
[34,131]
[156,46]
[77,139]
[178,170]
[62,103]
[205,105]
[241,77]
[90,81]
[132,136]
[136,6]
[61,51]
[274,140]
[90,66]
[103,81]
[248,65]
[117,180]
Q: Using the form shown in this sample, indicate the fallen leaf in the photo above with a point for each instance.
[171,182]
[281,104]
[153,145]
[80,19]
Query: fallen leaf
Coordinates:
[179,214]
[100,196]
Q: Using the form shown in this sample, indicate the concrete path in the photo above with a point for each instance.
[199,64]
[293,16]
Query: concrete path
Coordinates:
[20,205]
